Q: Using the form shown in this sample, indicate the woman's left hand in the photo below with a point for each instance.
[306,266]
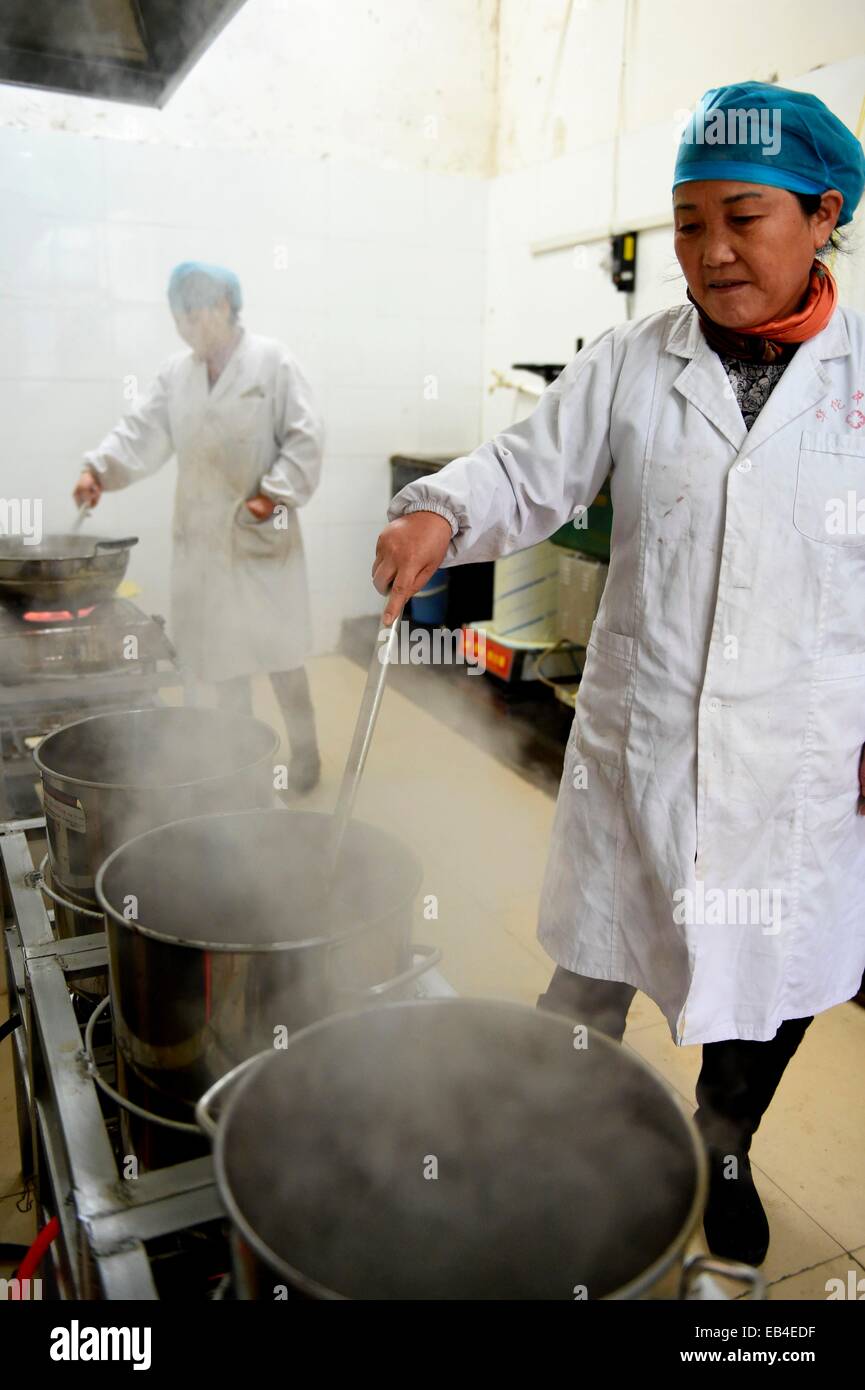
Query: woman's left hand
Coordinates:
[860,805]
[261,507]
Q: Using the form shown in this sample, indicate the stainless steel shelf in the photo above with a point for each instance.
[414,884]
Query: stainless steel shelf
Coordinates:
[66,1149]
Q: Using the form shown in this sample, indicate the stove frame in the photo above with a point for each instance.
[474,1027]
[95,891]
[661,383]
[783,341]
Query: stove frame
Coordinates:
[105,1220]
[66,1148]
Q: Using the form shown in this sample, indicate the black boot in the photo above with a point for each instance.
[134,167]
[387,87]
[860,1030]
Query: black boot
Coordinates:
[295,701]
[737,1081]
[600,1004]
[735,1221]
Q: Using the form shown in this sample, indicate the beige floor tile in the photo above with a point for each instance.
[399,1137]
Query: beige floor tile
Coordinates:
[810,1284]
[480,958]
[644,1013]
[679,1066]
[16,1227]
[797,1240]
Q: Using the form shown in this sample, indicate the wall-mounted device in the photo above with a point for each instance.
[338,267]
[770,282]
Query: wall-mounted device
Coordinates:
[624,262]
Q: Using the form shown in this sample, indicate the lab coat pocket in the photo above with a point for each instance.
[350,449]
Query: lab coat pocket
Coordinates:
[830,489]
[258,540]
[602,702]
[837,729]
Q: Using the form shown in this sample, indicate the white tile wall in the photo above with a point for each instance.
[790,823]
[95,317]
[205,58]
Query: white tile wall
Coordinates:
[375,280]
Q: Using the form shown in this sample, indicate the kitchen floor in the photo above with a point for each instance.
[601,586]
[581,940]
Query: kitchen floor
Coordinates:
[481,830]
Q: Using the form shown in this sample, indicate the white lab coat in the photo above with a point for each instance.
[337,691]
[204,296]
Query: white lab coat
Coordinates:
[240,602]
[722,708]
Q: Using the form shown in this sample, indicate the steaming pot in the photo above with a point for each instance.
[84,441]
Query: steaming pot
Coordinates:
[455,1149]
[224,939]
[108,777]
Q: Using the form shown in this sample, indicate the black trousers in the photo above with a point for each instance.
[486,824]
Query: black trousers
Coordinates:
[292,692]
[737,1078]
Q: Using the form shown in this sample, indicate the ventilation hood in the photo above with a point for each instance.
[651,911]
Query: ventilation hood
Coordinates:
[135,51]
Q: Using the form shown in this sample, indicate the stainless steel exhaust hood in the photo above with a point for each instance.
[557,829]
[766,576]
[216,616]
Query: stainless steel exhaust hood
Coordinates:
[123,50]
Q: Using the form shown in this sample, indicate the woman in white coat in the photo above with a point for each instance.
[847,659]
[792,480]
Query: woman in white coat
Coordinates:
[238,413]
[706,847]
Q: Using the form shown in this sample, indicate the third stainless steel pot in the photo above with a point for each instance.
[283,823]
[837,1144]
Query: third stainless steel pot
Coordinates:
[110,776]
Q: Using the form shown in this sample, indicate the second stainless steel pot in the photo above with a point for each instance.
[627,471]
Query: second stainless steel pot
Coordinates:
[224,939]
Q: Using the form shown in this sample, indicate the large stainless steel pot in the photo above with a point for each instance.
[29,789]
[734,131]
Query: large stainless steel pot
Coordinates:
[455,1149]
[109,777]
[224,939]
[62,572]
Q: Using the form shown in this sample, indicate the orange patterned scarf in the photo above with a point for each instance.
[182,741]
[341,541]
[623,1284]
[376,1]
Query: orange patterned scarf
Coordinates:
[765,342]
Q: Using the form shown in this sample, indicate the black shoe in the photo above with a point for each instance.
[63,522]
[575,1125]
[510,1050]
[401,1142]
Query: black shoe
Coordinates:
[304,772]
[734,1220]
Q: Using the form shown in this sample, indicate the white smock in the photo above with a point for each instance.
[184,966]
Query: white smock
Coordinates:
[239,595]
[706,844]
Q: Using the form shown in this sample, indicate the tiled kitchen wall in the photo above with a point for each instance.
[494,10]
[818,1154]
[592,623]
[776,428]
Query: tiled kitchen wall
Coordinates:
[374,279]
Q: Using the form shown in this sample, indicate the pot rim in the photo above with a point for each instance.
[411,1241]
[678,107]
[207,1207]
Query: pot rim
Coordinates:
[306,1285]
[163,786]
[246,947]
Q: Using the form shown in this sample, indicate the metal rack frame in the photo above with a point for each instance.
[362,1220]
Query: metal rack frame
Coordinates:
[66,1149]
[105,1220]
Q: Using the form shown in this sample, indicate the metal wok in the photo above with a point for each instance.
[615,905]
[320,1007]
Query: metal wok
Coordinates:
[62,572]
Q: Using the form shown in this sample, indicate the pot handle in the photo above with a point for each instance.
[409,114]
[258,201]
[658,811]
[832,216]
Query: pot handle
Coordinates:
[729,1269]
[37,880]
[429,956]
[203,1116]
[116,545]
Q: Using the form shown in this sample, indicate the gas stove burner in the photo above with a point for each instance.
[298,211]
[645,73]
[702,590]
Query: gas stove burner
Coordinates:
[111,637]
[48,619]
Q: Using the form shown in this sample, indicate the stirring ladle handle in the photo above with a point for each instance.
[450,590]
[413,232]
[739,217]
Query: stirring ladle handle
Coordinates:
[362,737]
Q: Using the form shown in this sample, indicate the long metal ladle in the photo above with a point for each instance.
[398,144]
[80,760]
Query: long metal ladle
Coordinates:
[361,740]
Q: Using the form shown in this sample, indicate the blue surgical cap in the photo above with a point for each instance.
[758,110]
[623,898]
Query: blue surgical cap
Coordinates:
[197,285]
[758,133]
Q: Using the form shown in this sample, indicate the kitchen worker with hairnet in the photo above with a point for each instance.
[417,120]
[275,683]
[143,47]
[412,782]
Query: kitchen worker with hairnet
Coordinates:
[238,413]
[707,847]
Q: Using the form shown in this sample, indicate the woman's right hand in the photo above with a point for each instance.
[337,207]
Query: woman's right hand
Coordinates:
[408,551]
[88,489]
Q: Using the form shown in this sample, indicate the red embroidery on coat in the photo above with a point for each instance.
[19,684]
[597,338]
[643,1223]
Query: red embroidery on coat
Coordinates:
[856,419]
[821,414]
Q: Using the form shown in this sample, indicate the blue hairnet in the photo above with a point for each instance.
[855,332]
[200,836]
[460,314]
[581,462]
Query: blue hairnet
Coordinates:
[197,285]
[780,137]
